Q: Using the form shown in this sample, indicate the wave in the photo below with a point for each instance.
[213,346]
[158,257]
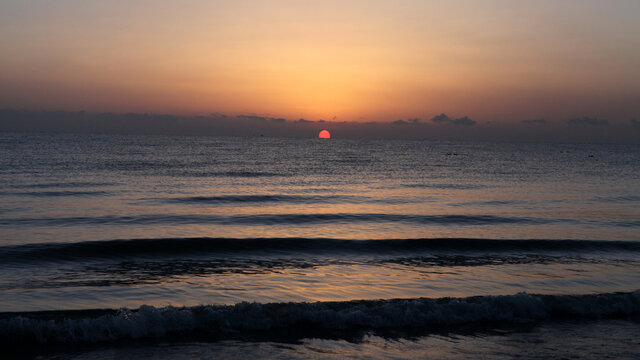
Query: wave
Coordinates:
[280,219]
[490,203]
[18,330]
[70,184]
[617,199]
[453,186]
[305,219]
[294,199]
[247,174]
[147,271]
[59,193]
[233,199]
[203,246]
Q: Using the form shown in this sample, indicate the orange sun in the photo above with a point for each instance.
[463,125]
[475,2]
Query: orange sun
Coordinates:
[324,134]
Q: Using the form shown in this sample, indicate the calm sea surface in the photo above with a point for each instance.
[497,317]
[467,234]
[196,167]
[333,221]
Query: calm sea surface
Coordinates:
[158,247]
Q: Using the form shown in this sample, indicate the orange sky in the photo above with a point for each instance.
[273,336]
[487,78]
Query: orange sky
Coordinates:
[356,60]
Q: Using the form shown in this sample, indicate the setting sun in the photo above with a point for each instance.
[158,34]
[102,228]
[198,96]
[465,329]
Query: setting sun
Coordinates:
[324,134]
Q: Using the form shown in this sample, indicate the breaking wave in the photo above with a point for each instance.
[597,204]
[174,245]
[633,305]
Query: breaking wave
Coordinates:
[216,321]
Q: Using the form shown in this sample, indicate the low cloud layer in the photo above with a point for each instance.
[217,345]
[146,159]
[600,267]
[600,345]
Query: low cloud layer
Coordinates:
[464,121]
[441,127]
[444,119]
[257,118]
[588,121]
[534,121]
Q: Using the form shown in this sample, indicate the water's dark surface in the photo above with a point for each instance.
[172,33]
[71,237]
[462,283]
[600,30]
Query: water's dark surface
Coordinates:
[104,221]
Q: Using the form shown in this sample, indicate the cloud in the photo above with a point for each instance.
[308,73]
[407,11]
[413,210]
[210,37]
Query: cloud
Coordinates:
[261,118]
[463,121]
[587,121]
[440,118]
[253,125]
[534,121]
[444,119]
[408,121]
[301,120]
[252,117]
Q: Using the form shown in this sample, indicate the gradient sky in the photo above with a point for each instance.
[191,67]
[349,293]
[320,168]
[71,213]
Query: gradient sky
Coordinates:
[373,60]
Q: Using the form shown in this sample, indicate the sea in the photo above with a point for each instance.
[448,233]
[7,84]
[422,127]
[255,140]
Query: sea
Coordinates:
[195,247]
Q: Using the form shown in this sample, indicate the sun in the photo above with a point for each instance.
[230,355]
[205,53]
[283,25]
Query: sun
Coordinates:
[324,134]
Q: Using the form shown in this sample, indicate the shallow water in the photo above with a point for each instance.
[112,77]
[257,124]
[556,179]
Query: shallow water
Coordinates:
[612,339]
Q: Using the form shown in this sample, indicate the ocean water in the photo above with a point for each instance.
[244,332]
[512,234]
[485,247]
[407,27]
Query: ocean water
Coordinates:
[203,247]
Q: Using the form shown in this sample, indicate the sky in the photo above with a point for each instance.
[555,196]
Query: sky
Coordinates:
[495,62]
